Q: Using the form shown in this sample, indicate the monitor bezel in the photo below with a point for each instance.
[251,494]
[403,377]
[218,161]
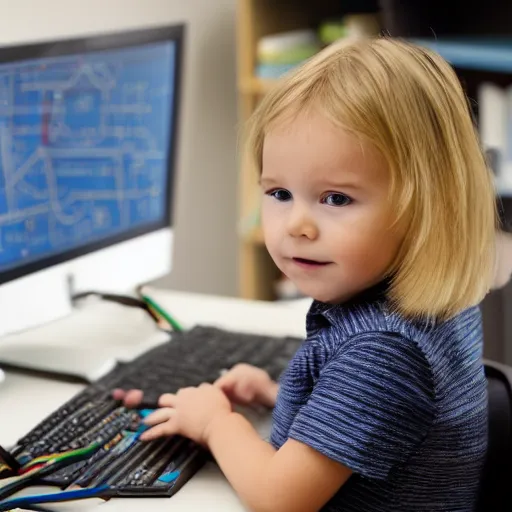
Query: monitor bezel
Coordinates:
[89,44]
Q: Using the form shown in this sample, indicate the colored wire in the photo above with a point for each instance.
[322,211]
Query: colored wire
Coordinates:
[12,484]
[164,314]
[5,468]
[23,471]
[160,320]
[156,313]
[78,494]
[37,470]
[9,459]
[61,456]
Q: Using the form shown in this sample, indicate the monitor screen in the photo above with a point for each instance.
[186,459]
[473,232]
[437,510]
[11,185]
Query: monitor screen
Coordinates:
[86,143]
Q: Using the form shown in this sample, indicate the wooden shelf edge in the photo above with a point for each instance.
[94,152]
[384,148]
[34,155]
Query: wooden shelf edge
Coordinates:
[254,237]
[256,86]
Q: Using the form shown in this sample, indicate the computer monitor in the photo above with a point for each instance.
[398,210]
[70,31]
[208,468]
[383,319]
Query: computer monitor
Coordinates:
[88,131]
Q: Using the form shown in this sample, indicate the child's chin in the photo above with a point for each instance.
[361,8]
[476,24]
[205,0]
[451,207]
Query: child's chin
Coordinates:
[327,298]
[321,296]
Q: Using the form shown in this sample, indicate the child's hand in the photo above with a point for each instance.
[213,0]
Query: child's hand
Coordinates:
[245,384]
[131,399]
[190,413]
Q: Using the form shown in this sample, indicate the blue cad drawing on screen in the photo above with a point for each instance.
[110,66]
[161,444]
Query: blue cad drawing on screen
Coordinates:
[84,143]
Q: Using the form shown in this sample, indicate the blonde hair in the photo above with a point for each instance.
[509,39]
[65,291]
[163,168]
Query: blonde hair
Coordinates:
[408,102]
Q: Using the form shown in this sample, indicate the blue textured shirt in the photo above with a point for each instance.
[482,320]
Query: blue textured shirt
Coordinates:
[402,404]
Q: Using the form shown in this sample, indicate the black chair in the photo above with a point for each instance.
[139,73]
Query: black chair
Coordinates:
[496,484]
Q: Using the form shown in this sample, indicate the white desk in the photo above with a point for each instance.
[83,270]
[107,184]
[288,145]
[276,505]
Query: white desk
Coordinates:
[28,399]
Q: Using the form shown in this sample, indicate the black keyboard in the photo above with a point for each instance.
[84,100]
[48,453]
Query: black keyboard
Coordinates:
[127,466]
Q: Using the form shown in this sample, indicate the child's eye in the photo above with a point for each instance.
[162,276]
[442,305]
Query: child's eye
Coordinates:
[280,194]
[336,199]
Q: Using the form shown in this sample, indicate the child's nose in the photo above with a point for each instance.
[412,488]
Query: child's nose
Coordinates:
[301,223]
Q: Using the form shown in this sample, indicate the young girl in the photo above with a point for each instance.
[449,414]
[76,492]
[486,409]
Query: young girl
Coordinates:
[377,203]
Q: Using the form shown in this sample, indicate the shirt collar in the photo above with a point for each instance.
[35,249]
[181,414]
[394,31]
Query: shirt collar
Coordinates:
[322,314]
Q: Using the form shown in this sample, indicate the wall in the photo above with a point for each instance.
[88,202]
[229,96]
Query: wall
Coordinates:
[205,208]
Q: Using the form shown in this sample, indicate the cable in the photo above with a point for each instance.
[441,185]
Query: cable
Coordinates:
[12,484]
[164,314]
[80,452]
[36,469]
[9,459]
[124,300]
[162,318]
[144,302]
[35,499]
[5,470]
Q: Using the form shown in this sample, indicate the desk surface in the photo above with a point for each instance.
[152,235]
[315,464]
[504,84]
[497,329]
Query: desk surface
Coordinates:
[30,399]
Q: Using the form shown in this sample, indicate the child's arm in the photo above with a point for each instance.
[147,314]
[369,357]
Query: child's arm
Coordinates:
[295,478]
[370,410]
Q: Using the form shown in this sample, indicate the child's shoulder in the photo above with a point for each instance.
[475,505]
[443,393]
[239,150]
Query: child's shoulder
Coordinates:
[344,325]
[347,320]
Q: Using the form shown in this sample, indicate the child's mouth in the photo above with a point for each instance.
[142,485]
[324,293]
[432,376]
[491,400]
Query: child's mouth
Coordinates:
[303,262]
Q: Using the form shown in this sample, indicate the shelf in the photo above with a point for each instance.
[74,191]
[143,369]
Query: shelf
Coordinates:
[256,86]
[480,54]
[257,19]
[254,237]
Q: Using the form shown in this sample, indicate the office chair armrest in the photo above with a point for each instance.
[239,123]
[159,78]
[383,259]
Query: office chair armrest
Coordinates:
[503,368]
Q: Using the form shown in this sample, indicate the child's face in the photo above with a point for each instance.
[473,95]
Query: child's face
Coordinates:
[326,214]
